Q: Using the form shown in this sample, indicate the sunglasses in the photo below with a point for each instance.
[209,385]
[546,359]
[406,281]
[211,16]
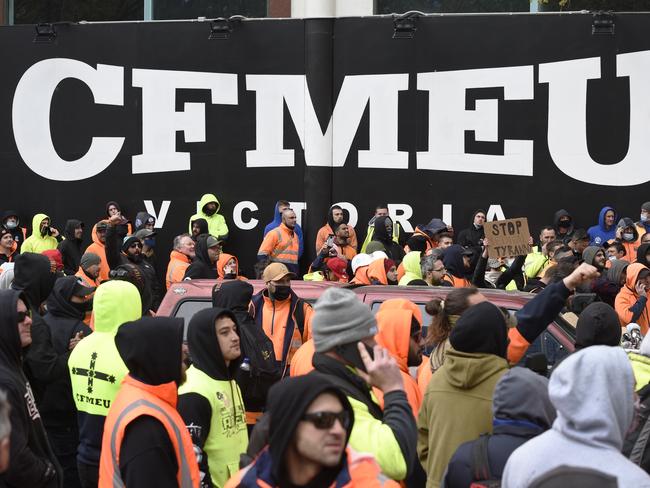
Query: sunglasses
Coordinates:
[325,420]
[23,315]
[136,244]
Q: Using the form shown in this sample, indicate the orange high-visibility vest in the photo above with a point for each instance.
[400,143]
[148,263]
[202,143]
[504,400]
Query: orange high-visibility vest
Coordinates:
[134,400]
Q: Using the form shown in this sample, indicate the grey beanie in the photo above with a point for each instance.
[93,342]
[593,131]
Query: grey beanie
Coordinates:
[340,318]
[614,273]
[646,206]
[89,259]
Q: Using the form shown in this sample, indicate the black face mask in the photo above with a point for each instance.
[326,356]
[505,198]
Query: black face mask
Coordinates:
[281,292]
[209,212]
[350,352]
[230,276]
[565,224]
[45,231]
[83,307]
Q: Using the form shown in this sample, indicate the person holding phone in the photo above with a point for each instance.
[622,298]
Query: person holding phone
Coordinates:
[343,330]
[43,238]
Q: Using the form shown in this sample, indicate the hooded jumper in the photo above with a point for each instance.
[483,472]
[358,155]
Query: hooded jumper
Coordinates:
[99,248]
[457,405]
[34,275]
[563,236]
[598,325]
[472,236]
[592,391]
[412,268]
[114,303]
[600,234]
[141,219]
[216,222]
[452,257]
[522,410]
[395,335]
[277,220]
[201,267]
[36,243]
[18,232]
[382,241]
[327,229]
[629,306]
[210,402]
[71,248]
[202,224]
[33,463]
[631,245]
[64,321]
[151,350]
[221,263]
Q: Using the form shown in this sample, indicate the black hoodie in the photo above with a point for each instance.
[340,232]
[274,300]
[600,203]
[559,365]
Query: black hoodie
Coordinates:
[452,257]
[33,463]
[34,275]
[141,219]
[71,248]
[393,250]
[564,237]
[472,236]
[288,402]
[151,350]
[16,233]
[330,217]
[206,356]
[481,329]
[641,253]
[201,267]
[235,295]
[64,321]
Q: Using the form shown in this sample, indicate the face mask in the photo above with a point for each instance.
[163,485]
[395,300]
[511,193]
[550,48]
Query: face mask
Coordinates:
[644,218]
[82,307]
[564,225]
[281,292]
[612,258]
[209,212]
[150,243]
[628,237]
[350,352]
[492,276]
[11,224]
[45,231]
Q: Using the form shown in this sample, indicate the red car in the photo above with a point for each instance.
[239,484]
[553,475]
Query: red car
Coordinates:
[188,297]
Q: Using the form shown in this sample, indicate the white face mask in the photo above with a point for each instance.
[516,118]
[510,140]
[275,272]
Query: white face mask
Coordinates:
[644,217]
[612,258]
[628,236]
[11,224]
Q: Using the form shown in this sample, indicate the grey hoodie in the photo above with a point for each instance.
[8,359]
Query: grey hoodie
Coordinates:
[592,391]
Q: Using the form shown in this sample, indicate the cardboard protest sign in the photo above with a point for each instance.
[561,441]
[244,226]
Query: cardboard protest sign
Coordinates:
[507,238]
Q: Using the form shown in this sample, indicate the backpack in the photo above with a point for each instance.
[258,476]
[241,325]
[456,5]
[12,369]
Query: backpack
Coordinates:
[262,370]
[481,465]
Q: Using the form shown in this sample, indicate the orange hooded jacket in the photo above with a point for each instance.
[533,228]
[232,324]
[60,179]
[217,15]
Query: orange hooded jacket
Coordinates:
[377,271]
[627,297]
[395,335]
[178,264]
[361,276]
[221,263]
[98,248]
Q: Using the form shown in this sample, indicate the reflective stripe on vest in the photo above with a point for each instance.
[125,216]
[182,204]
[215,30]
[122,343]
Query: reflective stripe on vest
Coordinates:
[287,253]
[186,478]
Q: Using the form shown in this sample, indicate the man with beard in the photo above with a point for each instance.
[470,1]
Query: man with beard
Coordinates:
[127,249]
[145,442]
[382,240]
[335,217]
[208,209]
[281,245]
[206,255]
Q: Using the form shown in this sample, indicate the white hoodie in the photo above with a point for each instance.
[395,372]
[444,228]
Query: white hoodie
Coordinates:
[593,393]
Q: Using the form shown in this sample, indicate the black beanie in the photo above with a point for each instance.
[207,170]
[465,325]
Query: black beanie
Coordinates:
[598,325]
[481,329]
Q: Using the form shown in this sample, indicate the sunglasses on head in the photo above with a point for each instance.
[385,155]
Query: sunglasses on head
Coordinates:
[23,315]
[325,420]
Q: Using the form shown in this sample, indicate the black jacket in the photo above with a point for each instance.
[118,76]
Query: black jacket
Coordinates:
[568,231]
[64,321]
[511,273]
[33,463]
[16,233]
[71,249]
[636,446]
[152,294]
[393,250]
[151,350]
[33,274]
[207,357]
[201,267]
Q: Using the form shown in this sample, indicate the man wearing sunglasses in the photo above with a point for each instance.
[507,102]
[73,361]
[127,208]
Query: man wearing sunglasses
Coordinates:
[32,462]
[311,422]
[127,249]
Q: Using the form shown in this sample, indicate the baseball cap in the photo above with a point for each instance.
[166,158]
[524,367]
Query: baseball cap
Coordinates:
[81,290]
[142,234]
[275,272]
[212,241]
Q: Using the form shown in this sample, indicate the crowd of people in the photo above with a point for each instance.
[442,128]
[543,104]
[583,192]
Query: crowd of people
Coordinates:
[267,390]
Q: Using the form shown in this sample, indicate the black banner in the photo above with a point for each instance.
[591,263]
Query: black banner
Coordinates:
[517,114]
